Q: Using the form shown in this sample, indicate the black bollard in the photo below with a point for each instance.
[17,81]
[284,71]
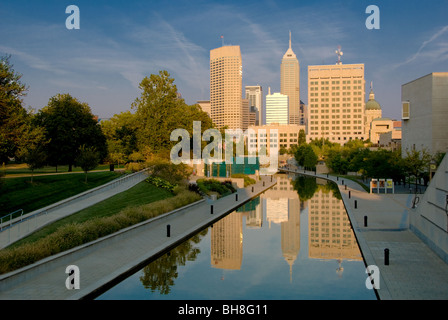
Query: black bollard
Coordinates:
[342,182]
[252,189]
[263,183]
[168,230]
[386,257]
[356,204]
[345,187]
[211,209]
[349,194]
[271,178]
[365,221]
[236,196]
[337,178]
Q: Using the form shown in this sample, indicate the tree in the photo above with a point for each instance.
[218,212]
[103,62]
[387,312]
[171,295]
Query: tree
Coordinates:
[13,117]
[69,124]
[87,159]
[159,111]
[416,163]
[302,137]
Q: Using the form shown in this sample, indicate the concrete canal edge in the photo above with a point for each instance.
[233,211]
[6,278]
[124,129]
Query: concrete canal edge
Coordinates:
[11,282]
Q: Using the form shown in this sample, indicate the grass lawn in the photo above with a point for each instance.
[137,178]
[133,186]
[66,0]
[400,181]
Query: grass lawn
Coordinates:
[20,193]
[22,169]
[142,193]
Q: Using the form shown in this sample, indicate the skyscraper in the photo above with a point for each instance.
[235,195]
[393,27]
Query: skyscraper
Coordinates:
[255,96]
[226,71]
[290,83]
[336,102]
[277,110]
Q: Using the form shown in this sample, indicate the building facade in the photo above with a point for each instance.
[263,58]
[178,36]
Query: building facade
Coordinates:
[336,95]
[290,83]
[255,96]
[226,105]
[424,113]
[277,108]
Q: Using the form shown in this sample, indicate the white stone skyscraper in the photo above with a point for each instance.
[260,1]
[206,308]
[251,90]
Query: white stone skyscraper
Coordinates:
[290,83]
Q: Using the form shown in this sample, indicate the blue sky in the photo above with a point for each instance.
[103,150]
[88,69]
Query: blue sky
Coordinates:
[120,42]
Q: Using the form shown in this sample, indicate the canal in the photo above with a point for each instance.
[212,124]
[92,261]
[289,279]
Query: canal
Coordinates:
[293,242]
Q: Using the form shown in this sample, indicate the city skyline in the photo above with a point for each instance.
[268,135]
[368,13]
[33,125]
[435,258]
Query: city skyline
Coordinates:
[118,44]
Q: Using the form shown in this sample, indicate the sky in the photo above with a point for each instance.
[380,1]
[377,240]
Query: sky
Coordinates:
[120,42]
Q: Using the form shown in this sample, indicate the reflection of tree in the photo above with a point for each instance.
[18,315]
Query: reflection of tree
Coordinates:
[305,187]
[160,274]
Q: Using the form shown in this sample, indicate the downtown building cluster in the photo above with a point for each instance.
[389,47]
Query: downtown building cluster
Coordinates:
[337,109]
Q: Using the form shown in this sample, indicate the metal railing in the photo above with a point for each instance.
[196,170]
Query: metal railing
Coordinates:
[127,179]
[10,215]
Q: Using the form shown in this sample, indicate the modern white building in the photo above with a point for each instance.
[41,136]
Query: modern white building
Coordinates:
[424,113]
[277,108]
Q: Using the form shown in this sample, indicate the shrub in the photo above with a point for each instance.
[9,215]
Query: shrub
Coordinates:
[161,183]
[75,234]
[247,180]
[134,166]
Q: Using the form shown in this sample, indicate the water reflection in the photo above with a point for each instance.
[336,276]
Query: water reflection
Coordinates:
[248,248]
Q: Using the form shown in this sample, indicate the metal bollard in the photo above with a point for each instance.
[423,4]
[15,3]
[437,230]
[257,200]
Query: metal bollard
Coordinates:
[365,221]
[263,183]
[345,187]
[386,257]
[271,178]
[356,204]
[342,182]
[236,196]
[349,194]
[168,230]
[252,189]
[211,209]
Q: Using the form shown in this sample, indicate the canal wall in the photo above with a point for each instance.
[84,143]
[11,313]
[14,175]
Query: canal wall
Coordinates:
[107,260]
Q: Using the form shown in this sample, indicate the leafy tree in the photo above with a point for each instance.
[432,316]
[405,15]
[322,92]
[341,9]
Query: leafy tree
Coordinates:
[13,117]
[121,135]
[87,159]
[159,111]
[69,124]
[416,163]
[302,137]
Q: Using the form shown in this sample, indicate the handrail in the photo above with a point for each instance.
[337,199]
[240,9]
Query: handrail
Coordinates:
[10,219]
[45,210]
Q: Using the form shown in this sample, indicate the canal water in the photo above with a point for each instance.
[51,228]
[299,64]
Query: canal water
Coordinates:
[293,242]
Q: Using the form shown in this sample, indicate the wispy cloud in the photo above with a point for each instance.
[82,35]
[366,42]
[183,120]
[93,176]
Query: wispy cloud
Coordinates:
[438,51]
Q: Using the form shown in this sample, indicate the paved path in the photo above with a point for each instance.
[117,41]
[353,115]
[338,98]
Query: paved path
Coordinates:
[108,259]
[44,216]
[415,272]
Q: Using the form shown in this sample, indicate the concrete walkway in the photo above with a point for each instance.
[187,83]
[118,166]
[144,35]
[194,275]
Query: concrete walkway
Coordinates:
[104,261]
[37,219]
[414,272]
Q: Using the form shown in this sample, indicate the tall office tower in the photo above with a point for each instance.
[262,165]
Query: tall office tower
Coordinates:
[226,87]
[336,102]
[277,110]
[255,96]
[290,83]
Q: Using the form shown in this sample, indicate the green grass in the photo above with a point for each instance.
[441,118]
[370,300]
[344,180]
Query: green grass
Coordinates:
[20,193]
[78,232]
[141,194]
[22,169]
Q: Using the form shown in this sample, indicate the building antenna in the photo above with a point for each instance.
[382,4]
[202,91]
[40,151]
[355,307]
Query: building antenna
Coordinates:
[222,40]
[339,53]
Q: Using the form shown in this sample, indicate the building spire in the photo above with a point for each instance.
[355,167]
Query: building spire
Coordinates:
[290,39]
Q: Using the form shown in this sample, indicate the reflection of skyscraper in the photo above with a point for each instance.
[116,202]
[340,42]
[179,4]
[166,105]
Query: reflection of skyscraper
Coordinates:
[291,234]
[330,232]
[227,242]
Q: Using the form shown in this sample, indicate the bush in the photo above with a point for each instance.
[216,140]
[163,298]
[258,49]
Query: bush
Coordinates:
[75,234]
[247,180]
[209,186]
[161,183]
[134,166]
